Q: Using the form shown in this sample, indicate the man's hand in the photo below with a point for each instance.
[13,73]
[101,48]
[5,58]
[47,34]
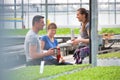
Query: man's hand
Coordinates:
[50,52]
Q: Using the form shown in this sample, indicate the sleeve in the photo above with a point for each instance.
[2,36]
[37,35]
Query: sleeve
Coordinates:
[87,27]
[32,40]
[43,38]
[56,42]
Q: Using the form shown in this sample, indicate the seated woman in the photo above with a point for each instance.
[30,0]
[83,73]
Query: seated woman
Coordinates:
[83,41]
[48,41]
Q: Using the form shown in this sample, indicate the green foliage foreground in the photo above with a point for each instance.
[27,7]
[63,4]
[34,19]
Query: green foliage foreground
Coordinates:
[32,72]
[97,73]
[109,55]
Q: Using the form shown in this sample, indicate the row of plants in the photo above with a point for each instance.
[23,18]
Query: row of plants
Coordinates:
[97,73]
[109,55]
[110,30]
[32,72]
[60,31]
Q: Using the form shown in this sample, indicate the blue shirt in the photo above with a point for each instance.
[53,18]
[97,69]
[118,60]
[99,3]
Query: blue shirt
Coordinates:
[49,44]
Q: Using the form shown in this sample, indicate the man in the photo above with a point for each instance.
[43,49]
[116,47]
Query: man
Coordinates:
[32,46]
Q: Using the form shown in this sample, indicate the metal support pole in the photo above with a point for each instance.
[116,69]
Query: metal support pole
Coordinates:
[2,20]
[46,12]
[115,10]
[15,13]
[22,15]
[67,13]
[80,3]
[54,12]
[94,34]
[28,15]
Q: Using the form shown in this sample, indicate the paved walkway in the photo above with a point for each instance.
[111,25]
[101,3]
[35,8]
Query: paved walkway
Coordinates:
[100,62]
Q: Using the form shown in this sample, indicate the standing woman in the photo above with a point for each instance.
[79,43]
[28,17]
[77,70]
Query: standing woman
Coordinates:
[83,40]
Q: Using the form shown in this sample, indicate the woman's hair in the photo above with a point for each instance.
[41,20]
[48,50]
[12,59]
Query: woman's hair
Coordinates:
[52,26]
[85,12]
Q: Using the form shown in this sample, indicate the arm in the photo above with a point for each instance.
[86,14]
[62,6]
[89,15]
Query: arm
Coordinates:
[84,40]
[34,54]
[42,44]
[78,40]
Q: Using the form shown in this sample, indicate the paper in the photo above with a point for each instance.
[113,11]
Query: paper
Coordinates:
[69,41]
[42,67]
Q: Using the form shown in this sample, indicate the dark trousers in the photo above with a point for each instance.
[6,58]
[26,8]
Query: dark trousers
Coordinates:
[38,61]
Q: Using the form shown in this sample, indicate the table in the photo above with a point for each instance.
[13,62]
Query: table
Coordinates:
[65,47]
[111,41]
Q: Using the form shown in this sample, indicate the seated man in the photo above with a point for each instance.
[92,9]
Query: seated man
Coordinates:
[32,45]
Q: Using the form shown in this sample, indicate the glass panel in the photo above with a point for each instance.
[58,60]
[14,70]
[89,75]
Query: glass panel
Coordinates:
[111,7]
[35,1]
[118,18]
[51,1]
[60,8]
[85,6]
[118,7]
[72,17]
[73,1]
[85,1]
[8,1]
[103,7]
[103,18]
[51,17]
[102,0]
[111,0]
[12,1]
[60,1]
[72,8]
[111,18]
[61,19]
[51,8]
[75,7]
[117,0]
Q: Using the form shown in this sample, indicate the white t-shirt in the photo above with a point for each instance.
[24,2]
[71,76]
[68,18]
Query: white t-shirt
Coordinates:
[31,39]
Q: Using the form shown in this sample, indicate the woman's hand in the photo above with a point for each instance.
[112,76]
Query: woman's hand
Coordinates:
[75,41]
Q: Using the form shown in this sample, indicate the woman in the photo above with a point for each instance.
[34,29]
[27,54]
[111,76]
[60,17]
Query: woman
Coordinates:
[83,40]
[48,41]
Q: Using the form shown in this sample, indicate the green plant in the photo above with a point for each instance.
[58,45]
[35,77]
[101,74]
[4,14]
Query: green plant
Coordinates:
[97,73]
[32,72]
[110,55]
[110,30]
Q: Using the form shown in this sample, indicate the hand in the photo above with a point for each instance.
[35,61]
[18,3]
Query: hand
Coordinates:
[50,52]
[75,41]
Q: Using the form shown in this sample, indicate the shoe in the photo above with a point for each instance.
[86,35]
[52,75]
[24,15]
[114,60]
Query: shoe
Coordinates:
[80,62]
[65,63]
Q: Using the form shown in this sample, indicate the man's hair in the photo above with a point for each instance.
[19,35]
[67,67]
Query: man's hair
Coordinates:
[36,19]
[52,26]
